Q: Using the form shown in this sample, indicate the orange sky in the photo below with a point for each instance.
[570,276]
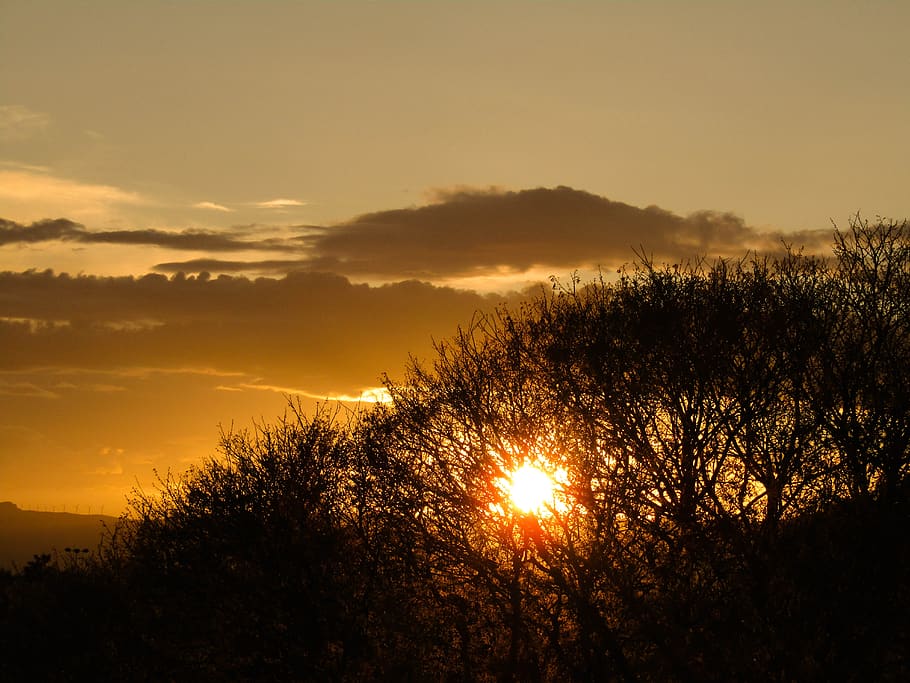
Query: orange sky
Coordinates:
[356,178]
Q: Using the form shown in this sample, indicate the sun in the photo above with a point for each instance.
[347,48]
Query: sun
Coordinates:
[531,489]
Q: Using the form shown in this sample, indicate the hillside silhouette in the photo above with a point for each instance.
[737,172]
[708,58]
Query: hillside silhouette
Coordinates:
[729,444]
[26,533]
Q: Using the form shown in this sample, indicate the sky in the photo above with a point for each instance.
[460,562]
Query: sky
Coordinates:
[208,208]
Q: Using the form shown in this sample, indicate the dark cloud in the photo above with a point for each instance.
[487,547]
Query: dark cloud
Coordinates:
[213,265]
[196,240]
[41,231]
[467,231]
[193,240]
[316,331]
[471,232]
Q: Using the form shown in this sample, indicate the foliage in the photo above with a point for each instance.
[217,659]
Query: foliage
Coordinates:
[731,441]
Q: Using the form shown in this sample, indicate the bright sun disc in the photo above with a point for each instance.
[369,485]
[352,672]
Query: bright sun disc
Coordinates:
[530,489]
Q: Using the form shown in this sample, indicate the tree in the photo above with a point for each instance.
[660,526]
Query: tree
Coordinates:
[865,387]
[689,408]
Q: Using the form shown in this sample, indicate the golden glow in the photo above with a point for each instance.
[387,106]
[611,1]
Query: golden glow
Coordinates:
[531,490]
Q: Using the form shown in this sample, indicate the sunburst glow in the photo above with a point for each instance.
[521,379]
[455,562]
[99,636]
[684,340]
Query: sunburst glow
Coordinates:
[531,489]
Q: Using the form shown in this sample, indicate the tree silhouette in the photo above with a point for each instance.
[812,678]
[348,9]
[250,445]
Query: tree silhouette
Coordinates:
[865,387]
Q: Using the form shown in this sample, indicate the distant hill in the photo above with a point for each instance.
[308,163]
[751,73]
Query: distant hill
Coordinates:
[25,533]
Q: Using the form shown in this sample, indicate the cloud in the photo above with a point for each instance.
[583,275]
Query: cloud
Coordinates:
[40,231]
[463,234]
[113,470]
[367,395]
[23,185]
[104,388]
[35,195]
[280,204]
[310,330]
[66,230]
[467,233]
[212,206]
[35,168]
[214,265]
[220,350]
[20,123]
[25,390]
[187,239]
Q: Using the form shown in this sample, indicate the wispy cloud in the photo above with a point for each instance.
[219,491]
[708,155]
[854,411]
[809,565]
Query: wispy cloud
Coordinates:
[212,206]
[280,203]
[18,122]
[65,230]
[53,373]
[115,470]
[368,395]
[22,185]
[102,388]
[35,195]
[25,390]
[24,167]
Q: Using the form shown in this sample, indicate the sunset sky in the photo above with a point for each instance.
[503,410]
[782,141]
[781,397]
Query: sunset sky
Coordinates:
[206,207]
